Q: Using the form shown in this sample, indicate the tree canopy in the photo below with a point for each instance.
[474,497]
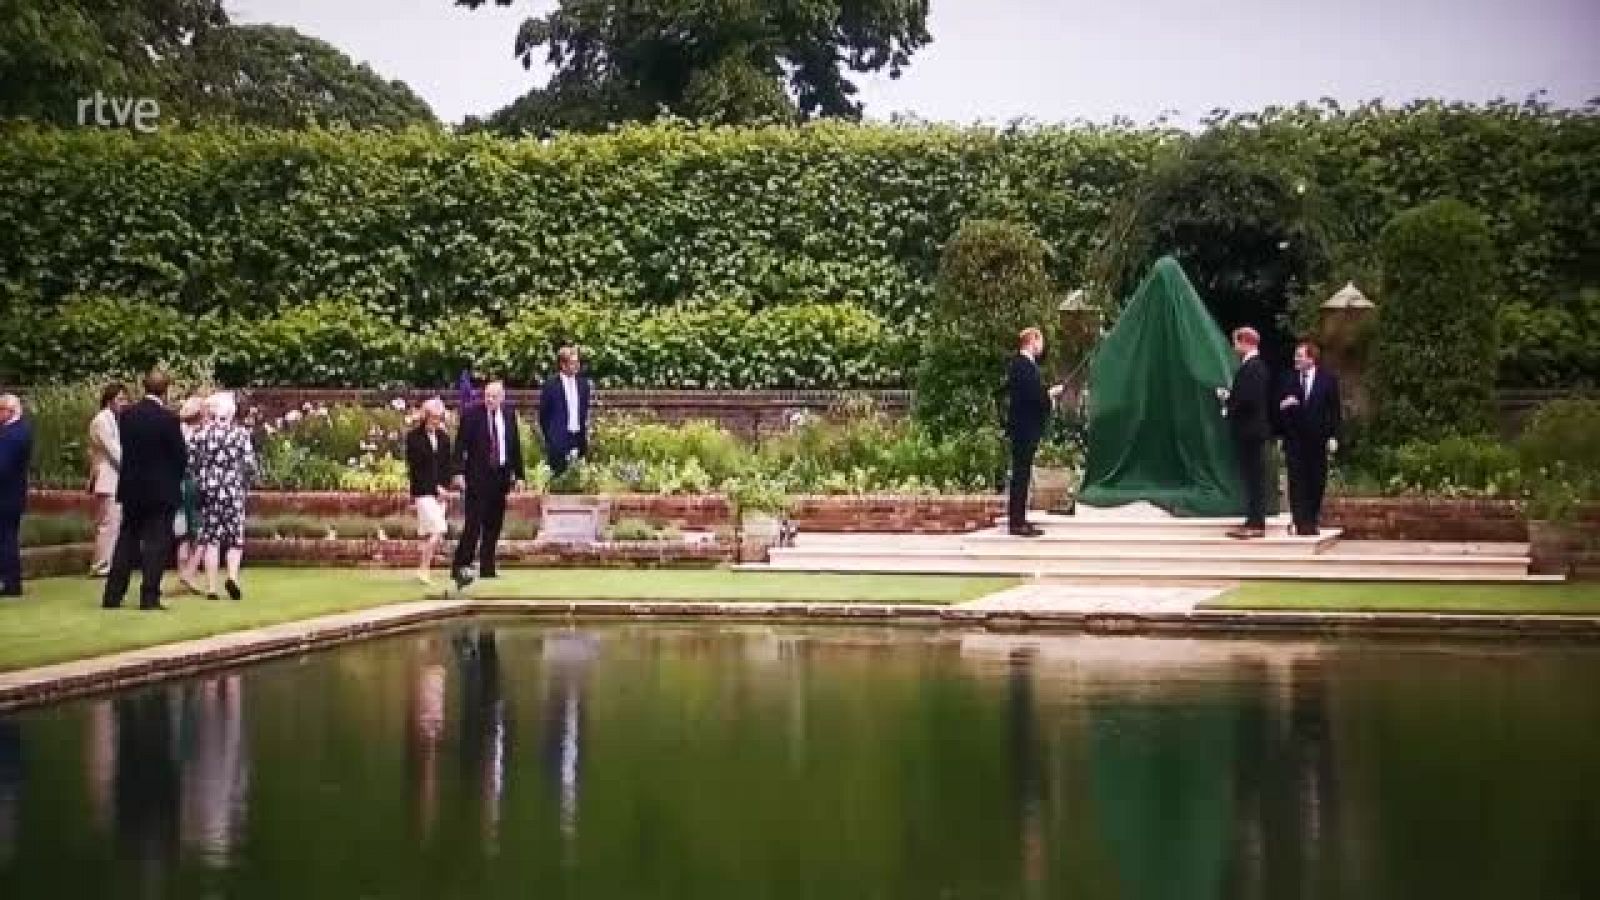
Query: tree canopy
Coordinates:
[280,78]
[723,61]
[187,56]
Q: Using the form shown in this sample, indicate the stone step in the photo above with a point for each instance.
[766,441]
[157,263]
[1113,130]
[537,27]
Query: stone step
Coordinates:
[1097,542]
[1138,527]
[1356,567]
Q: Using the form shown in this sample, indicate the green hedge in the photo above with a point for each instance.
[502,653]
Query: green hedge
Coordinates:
[348,344]
[1432,371]
[424,225]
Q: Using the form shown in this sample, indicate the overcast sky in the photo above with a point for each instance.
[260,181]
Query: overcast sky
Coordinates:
[1055,60]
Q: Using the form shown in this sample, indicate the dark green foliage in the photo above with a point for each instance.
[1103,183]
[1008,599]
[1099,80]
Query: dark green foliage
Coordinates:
[279,78]
[993,282]
[344,343]
[1563,435]
[711,62]
[1433,371]
[419,224]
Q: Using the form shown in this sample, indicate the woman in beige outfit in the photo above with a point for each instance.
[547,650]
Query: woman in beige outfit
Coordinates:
[105,465]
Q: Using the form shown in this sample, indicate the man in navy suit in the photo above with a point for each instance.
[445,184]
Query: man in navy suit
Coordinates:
[1028,407]
[154,457]
[1309,408]
[1247,406]
[16,450]
[488,463]
[564,412]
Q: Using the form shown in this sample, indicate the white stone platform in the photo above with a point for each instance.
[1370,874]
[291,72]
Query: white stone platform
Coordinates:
[1155,547]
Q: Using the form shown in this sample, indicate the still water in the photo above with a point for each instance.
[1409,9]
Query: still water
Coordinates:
[662,761]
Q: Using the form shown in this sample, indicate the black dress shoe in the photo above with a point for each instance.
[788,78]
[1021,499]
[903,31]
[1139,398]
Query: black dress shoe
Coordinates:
[233,590]
[15,591]
[159,607]
[106,604]
[1029,531]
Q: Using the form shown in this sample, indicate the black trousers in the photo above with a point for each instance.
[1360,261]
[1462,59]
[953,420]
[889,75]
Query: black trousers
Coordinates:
[1307,462]
[1252,456]
[11,550]
[1022,452]
[485,504]
[145,540]
[558,452]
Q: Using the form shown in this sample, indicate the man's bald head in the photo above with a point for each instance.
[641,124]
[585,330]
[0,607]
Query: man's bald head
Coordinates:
[10,408]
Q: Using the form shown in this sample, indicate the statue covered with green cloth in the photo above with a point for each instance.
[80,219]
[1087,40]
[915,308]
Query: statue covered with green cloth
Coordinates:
[1155,430]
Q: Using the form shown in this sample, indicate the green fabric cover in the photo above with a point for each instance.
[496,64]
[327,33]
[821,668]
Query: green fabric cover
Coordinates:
[1156,432]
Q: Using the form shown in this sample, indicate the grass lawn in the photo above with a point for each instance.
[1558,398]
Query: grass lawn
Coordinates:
[1566,597]
[61,619]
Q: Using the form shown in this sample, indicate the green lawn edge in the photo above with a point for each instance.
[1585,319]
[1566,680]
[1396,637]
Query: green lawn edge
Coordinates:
[60,619]
[1561,598]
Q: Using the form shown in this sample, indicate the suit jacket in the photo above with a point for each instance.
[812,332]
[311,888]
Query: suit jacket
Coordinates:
[154,457]
[1249,408]
[105,453]
[1317,417]
[428,465]
[1027,402]
[16,452]
[553,411]
[472,457]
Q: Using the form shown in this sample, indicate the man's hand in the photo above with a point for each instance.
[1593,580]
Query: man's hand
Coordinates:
[1333,446]
[516,486]
[459,482]
[1289,402]
[1056,391]
[1222,394]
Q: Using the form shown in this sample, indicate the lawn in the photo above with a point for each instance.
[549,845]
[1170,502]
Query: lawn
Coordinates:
[61,619]
[1566,597]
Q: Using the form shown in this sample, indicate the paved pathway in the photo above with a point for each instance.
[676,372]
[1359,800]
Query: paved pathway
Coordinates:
[1096,598]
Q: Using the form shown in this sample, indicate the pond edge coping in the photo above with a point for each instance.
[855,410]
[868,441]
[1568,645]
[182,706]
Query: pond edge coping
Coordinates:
[42,685]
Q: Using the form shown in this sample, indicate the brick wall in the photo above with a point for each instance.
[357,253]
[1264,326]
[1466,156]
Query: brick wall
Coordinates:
[1426,519]
[1362,518]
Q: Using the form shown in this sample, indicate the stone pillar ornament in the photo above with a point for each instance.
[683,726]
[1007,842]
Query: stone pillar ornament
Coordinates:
[1344,322]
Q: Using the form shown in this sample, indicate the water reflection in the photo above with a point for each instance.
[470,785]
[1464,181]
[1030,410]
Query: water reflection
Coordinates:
[567,656]
[780,762]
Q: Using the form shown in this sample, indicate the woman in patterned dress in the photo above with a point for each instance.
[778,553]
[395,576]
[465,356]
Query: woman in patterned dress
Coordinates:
[223,465]
[192,416]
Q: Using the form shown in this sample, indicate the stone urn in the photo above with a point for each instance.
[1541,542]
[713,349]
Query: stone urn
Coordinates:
[573,519]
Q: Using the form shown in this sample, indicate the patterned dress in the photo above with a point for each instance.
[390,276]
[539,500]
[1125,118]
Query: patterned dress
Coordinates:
[222,464]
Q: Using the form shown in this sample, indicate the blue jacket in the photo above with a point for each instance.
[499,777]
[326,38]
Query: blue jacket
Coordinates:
[16,451]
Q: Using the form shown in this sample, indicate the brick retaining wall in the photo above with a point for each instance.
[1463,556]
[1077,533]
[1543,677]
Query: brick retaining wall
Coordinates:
[1362,518]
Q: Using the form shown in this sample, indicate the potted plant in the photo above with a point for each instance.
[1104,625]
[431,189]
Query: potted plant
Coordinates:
[573,511]
[758,507]
[1551,504]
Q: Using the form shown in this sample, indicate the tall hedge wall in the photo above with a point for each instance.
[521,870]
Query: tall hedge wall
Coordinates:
[416,225]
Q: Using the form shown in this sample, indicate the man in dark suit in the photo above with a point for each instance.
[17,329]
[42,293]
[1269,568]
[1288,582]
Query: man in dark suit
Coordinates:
[154,457]
[1247,409]
[564,412]
[16,451]
[1309,407]
[489,465]
[1028,409]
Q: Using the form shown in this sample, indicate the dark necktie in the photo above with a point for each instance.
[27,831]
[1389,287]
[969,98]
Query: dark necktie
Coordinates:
[494,440]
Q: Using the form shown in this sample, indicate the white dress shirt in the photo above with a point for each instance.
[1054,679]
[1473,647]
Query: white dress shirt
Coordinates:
[497,434]
[569,389]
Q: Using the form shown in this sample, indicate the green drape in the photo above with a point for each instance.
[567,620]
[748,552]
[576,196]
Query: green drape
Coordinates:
[1155,430]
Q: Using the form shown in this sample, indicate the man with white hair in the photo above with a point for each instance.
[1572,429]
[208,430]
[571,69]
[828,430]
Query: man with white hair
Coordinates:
[488,464]
[428,467]
[16,451]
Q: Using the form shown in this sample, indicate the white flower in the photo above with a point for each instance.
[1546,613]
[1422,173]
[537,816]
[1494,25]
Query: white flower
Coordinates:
[322,411]
[270,429]
[398,404]
[351,462]
[292,416]
[306,406]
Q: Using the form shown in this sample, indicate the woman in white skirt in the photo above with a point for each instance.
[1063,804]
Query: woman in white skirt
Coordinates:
[428,464]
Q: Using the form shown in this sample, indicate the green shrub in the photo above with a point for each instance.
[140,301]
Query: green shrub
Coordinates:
[993,282]
[1432,375]
[1555,345]
[1452,465]
[1563,435]
[633,530]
